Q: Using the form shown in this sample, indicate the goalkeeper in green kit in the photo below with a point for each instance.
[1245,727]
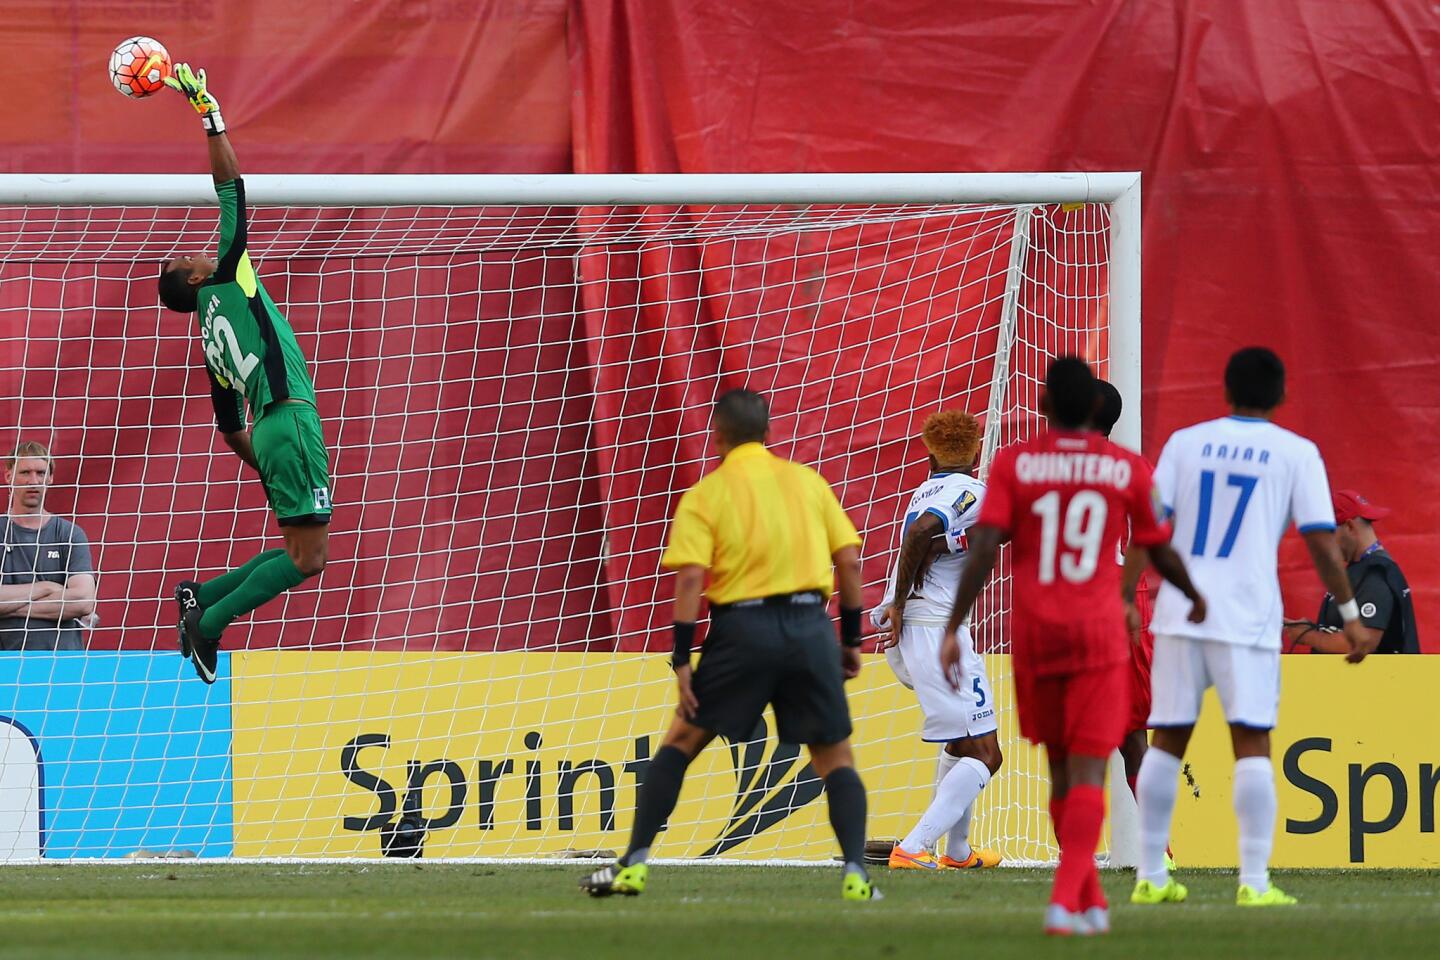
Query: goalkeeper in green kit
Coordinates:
[252,360]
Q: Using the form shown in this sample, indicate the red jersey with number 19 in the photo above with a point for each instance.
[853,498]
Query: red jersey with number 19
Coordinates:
[1065,499]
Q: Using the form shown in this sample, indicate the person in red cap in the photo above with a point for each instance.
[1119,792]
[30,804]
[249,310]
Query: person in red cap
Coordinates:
[1380,588]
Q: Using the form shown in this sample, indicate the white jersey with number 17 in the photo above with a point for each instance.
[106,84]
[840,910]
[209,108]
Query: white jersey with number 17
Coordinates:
[1234,486]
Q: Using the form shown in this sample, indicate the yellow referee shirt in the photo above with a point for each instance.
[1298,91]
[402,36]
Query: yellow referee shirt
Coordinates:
[762,526]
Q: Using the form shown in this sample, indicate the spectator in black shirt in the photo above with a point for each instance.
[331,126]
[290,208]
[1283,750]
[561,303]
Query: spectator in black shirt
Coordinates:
[47,580]
[1380,587]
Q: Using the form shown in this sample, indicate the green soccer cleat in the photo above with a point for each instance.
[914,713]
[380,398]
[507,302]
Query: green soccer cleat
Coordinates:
[1147,893]
[857,887]
[626,881]
[1272,897]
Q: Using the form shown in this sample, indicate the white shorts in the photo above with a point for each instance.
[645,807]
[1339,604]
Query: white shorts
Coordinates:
[1246,678]
[949,714]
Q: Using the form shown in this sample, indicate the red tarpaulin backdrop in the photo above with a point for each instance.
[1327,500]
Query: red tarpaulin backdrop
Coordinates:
[1288,148]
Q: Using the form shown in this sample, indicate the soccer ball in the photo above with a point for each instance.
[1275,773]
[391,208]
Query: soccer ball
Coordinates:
[139,66]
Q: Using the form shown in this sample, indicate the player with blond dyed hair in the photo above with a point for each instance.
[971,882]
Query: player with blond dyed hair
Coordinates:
[913,615]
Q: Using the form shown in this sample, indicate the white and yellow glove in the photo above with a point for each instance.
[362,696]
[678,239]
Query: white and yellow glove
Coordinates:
[192,85]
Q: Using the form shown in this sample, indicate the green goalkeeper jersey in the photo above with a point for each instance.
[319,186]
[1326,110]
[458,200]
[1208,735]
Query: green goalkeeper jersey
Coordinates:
[250,351]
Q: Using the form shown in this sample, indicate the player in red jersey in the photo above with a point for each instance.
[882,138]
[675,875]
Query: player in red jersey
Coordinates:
[1064,500]
[1142,642]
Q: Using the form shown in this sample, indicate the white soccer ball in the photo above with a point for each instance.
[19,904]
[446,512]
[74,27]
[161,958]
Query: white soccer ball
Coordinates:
[139,66]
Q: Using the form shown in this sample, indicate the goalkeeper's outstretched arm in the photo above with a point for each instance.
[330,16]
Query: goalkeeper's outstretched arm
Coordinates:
[223,165]
[225,169]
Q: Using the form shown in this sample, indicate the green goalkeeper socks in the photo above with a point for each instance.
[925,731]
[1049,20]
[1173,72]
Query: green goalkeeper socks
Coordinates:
[268,579]
[213,591]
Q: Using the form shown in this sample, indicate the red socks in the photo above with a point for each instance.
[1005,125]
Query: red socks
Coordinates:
[1091,895]
[1082,816]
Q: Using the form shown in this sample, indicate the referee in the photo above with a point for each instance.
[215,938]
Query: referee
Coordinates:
[768,532]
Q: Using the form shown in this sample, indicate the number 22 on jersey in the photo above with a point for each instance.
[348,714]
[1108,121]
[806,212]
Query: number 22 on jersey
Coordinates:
[215,330]
[1082,530]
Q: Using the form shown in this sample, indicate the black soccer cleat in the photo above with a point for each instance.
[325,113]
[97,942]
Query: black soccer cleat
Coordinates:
[187,595]
[205,653]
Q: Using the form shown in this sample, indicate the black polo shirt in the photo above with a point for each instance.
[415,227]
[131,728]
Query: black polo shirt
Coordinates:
[1384,600]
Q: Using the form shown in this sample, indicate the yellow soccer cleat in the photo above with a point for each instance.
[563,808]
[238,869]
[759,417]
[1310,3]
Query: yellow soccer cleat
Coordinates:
[1147,893]
[1272,897]
[902,860]
[627,881]
[857,887]
[978,859]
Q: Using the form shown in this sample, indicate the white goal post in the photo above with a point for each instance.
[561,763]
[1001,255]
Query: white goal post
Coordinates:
[513,372]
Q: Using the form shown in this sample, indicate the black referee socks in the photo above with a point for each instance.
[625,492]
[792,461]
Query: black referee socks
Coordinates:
[847,813]
[657,801]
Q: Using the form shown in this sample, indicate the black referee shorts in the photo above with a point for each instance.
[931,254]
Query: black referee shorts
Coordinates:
[781,655]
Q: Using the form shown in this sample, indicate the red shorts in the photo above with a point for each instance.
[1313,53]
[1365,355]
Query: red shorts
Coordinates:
[1140,656]
[1084,712]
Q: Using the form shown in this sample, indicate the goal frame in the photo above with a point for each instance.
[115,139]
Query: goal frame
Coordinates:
[1120,191]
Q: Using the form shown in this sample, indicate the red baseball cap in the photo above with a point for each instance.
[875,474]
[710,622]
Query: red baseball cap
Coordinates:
[1350,504]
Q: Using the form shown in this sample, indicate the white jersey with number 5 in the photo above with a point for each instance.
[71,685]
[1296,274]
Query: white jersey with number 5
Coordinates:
[954,500]
[1234,486]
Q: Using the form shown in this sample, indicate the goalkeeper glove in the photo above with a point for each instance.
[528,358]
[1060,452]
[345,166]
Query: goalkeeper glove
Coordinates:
[192,85]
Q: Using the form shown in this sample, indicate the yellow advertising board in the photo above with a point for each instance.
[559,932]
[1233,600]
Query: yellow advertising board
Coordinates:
[1357,766]
[531,754]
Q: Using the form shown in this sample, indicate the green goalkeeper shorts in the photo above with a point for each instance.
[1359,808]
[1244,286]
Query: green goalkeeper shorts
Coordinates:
[294,466]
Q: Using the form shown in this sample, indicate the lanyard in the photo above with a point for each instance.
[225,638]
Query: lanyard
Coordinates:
[1371,549]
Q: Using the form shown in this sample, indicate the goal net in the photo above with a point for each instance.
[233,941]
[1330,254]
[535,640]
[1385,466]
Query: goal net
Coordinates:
[514,376]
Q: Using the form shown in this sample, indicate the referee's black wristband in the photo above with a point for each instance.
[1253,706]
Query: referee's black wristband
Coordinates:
[684,640]
[850,626]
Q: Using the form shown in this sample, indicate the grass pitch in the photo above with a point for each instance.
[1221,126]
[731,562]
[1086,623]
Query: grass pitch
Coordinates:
[464,910]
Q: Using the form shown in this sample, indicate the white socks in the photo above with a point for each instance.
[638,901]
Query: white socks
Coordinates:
[943,766]
[953,796]
[1155,791]
[1255,813]
[957,842]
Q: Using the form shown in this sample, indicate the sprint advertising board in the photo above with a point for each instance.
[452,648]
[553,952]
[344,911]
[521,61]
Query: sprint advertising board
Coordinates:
[529,754]
[1357,769]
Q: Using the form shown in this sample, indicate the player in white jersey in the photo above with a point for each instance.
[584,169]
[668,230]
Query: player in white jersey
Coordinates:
[1234,486]
[914,613]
